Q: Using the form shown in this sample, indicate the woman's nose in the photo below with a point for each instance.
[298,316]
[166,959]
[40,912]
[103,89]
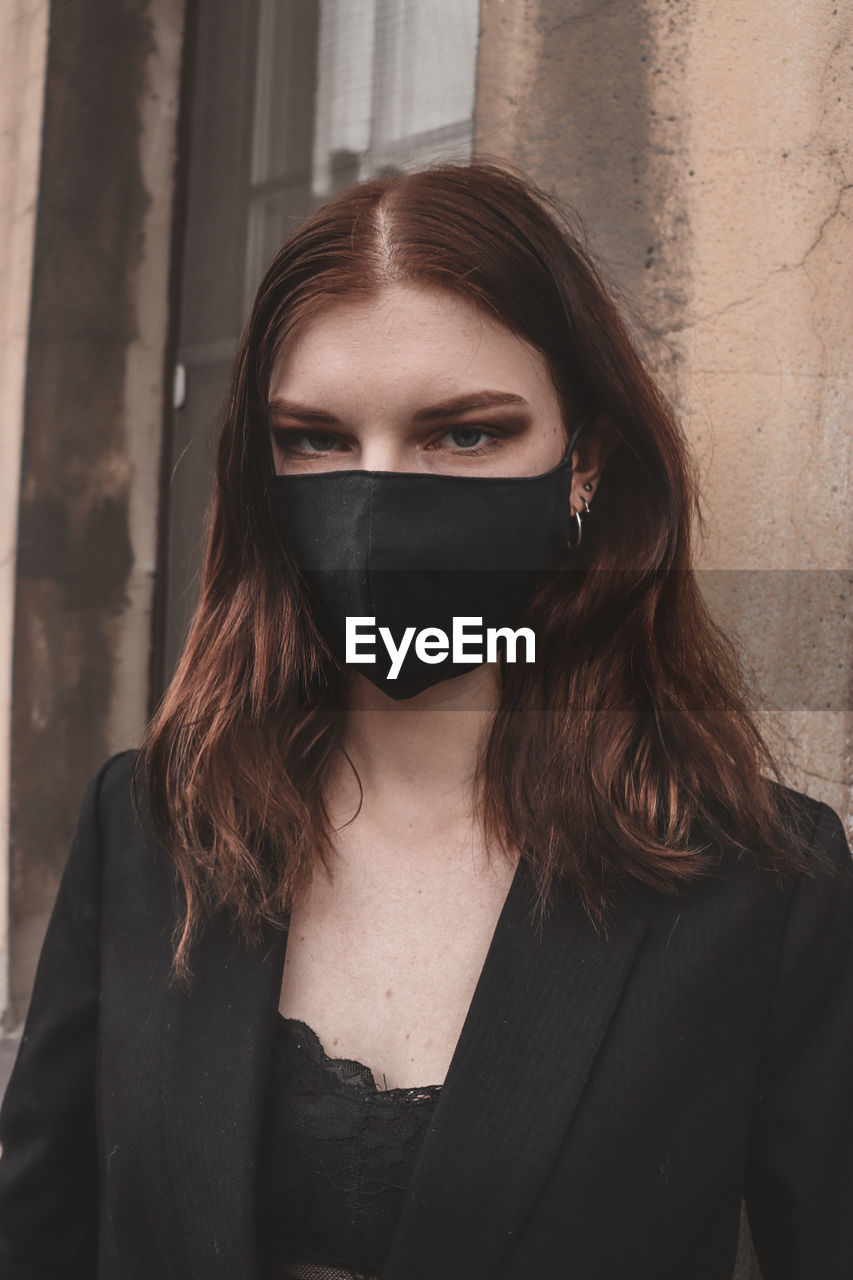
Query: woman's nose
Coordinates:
[386,454]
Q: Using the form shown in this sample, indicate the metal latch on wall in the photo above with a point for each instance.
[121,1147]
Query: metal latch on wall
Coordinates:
[179,386]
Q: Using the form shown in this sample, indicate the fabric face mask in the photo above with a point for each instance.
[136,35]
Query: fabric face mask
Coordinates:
[416,550]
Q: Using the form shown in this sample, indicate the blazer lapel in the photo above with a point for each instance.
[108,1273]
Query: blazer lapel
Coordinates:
[216,1062]
[536,1021]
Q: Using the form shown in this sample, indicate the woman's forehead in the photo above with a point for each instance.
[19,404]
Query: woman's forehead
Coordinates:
[406,330]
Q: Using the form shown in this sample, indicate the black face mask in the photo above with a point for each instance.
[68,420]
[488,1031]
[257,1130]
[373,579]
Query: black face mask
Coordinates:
[418,550]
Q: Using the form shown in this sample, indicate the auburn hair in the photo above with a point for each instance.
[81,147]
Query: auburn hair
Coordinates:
[629,750]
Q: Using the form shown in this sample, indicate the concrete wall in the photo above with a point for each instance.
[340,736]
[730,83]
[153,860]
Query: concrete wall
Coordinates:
[93,424]
[708,149]
[23,46]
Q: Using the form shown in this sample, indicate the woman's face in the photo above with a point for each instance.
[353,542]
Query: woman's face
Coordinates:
[415,379]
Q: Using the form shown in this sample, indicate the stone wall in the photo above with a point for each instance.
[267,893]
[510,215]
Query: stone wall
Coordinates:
[23,46]
[93,418]
[707,148]
[709,151]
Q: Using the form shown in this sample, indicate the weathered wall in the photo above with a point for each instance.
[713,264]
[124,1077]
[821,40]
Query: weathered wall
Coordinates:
[87,537]
[23,45]
[764,344]
[708,149]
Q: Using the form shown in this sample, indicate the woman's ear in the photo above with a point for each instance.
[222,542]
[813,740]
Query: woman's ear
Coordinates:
[589,459]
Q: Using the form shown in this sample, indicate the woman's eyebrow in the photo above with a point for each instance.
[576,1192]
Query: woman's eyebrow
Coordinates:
[467,403]
[278,406]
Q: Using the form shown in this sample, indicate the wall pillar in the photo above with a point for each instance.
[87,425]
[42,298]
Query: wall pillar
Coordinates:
[23,46]
[87,537]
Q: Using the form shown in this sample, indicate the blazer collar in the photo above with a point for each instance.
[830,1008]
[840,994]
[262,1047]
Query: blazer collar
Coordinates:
[538,1016]
[537,1019]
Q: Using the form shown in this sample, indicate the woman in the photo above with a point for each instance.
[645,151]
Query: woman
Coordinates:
[424,958]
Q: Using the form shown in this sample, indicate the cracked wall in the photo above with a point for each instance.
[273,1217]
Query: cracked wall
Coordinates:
[708,151]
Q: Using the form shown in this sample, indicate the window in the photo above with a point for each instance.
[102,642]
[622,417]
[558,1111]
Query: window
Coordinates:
[346,89]
[291,100]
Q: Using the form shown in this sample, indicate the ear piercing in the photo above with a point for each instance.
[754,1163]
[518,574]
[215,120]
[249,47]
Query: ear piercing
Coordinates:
[573,546]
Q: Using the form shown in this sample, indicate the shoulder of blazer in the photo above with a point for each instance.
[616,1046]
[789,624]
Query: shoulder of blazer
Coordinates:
[124,822]
[821,828]
[115,794]
[140,892]
[815,824]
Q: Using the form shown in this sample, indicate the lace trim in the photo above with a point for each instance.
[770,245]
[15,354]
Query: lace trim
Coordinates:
[338,1156]
[315,1271]
[355,1073]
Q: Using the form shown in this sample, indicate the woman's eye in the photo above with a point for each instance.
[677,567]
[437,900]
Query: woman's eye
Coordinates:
[319,441]
[305,441]
[468,438]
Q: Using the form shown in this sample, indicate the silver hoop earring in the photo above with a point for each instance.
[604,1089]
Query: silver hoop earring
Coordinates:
[573,546]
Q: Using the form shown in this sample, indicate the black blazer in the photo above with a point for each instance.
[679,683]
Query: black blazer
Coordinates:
[608,1104]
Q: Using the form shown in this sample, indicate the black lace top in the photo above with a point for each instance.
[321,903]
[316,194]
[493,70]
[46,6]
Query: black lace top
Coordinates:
[336,1159]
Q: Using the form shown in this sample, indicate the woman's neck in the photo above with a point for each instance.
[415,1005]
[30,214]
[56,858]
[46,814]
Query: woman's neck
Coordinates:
[415,758]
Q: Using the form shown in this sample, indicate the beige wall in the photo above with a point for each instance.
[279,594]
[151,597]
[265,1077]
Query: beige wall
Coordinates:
[23,45]
[708,148]
[765,346]
[82,540]
[147,386]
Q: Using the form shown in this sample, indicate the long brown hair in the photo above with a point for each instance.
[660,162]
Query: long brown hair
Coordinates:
[630,749]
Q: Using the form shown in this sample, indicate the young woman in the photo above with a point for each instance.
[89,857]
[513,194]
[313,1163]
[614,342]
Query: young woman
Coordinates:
[459,928]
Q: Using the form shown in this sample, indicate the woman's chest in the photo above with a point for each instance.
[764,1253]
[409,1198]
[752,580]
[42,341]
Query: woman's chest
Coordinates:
[385,974]
[586,1057]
